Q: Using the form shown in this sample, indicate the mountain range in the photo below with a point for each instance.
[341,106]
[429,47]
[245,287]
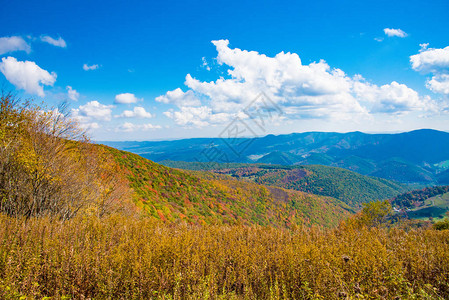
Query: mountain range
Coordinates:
[420,156]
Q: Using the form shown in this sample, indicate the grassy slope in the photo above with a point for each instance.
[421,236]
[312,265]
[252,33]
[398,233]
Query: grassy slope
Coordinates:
[434,207]
[198,197]
[350,187]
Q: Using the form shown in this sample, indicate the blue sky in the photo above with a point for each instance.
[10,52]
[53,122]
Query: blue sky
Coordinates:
[141,70]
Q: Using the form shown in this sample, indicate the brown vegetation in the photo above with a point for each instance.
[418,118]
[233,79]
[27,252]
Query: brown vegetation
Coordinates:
[124,258]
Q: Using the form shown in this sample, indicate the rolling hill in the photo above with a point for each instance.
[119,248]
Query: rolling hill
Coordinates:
[347,186]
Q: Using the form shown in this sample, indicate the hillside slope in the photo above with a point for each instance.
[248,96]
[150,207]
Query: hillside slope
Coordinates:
[347,186]
[200,197]
[430,202]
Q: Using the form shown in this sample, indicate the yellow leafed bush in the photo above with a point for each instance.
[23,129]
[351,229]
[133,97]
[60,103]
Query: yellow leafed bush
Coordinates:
[126,258]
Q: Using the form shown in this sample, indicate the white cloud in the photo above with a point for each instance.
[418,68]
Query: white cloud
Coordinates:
[72,94]
[311,91]
[395,32]
[435,61]
[55,42]
[197,116]
[137,112]
[13,43]
[90,125]
[431,60]
[205,64]
[126,98]
[93,110]
[179,98]
[392,98]
[26,75]
[130,127]
[439,84]
[86,67]
[423,46]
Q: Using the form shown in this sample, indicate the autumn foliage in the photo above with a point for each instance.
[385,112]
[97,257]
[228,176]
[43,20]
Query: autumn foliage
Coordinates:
[67,230]
[48,166]
[119,257]
[206,198]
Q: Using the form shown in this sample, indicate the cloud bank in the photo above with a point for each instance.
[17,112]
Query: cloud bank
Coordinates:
[302,91]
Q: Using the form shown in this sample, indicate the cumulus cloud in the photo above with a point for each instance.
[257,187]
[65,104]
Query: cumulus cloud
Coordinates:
[312,91]
[130,127]
[283,77]
[395,32]
[436,62]
[439,84]
[431,60]
[93,111]
[72,94]
[26,75]
[137,112]
[13,43]
[394,98]
[86,67]
[55,42]
[197,116]
[126,98]
[179,98]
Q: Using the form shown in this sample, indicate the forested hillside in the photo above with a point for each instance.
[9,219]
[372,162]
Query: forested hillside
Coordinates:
[417,197]
[350,187]
[174,195]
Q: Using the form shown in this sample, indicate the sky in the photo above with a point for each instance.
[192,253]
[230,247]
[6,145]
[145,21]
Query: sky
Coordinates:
[159,70]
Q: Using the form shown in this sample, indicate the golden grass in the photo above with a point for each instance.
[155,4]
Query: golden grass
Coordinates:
[127,258]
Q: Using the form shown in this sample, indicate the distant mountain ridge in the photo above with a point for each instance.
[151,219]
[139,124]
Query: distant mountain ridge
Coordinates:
[412,157]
